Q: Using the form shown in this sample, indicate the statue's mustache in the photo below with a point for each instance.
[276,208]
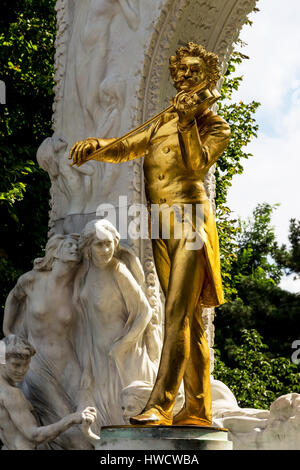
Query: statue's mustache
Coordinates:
[185,79]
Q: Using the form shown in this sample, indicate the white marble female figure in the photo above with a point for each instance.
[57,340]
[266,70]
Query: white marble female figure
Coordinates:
[39,309]
[92,56]
[112,92]
[115,315]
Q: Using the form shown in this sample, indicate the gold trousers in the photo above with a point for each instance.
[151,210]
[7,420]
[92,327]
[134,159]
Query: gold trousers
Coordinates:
[185,353]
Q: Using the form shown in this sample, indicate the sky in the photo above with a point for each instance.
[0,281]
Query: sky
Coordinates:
[272,77]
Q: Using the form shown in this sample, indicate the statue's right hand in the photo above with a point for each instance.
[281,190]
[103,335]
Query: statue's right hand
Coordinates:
[89,416]
[81,150]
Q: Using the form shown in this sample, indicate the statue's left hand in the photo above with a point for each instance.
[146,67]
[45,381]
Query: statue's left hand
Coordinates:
[186,106]
[81,150]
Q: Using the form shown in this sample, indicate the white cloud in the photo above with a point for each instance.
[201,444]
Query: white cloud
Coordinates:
[273,47]
[288,283]
[271,175]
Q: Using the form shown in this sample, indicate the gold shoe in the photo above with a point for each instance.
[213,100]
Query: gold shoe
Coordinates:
[153,417]
[184,418]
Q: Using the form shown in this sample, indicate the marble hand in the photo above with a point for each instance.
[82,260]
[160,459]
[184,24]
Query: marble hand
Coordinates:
[88,417]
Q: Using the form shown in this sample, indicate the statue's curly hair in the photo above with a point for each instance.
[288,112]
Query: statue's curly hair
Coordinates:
[211,60]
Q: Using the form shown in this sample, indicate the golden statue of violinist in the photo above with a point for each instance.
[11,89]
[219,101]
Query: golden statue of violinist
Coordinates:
[179,145]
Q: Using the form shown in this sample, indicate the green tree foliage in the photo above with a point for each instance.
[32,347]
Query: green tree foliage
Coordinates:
[240,117]
[27,34]
[254,376]
[260,311]
[289,259]
[257,311]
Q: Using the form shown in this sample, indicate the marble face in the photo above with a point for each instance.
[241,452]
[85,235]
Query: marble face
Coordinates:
[16,369]
[102,248]
[190,73]
[68,250]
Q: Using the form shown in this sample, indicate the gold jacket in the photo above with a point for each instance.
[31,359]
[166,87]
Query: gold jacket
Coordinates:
[175,164]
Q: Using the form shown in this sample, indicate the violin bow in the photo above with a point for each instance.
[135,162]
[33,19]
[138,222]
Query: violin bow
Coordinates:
[209,97]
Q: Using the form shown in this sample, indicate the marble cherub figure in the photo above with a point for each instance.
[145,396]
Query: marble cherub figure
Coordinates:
[19,429]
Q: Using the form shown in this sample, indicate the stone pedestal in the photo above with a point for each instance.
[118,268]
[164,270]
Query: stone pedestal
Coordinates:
[163,438]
